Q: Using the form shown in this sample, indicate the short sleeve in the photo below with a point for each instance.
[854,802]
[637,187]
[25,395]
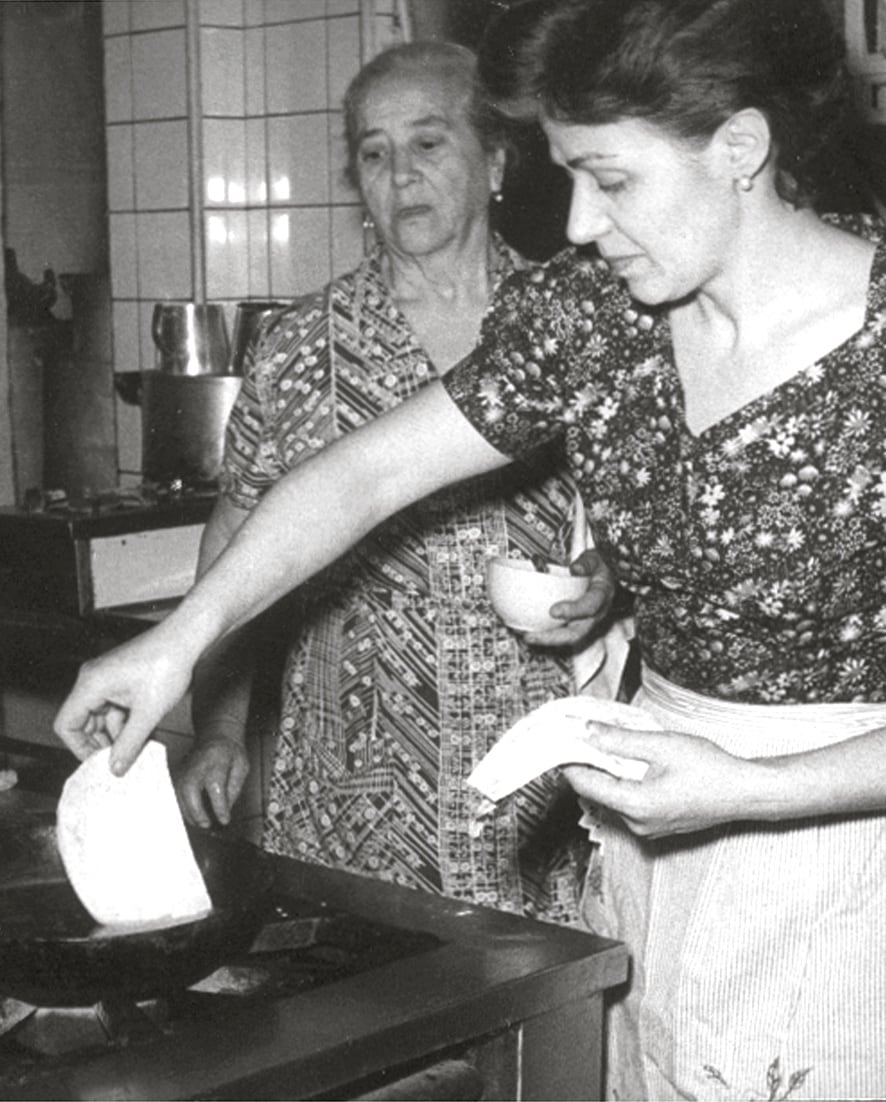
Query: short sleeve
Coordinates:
[514,387]
[252,461]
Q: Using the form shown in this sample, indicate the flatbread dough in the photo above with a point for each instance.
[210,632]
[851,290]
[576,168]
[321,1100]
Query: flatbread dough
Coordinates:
[556,734]
[124,845]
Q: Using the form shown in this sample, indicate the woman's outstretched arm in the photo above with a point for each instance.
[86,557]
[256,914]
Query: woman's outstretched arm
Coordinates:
[306,521]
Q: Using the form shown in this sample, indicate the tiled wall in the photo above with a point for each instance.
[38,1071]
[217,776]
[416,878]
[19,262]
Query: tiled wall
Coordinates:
[225,182]
[226,156]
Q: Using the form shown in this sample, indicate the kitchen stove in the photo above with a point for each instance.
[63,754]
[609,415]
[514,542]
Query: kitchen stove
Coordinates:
[122,499]
[351,989]
[62,558]
[300,947]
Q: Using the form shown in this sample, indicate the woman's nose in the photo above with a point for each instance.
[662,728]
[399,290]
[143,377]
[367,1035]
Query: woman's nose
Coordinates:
[403,167]
[588,217]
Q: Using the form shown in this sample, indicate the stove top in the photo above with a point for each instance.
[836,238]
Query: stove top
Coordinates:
[300,947]
[387,980]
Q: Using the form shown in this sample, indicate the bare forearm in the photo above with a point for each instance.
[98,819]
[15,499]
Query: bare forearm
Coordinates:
[843,778]
[221,688]
[326,505]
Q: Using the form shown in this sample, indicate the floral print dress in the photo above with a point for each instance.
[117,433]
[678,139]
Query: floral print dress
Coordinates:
[757,549]
[757,554]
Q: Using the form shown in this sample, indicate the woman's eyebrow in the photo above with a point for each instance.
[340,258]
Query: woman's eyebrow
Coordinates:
[426,120]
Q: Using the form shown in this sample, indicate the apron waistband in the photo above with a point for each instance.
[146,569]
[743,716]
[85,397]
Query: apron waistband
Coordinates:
[696,713]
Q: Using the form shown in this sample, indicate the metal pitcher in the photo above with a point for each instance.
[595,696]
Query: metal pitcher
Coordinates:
[248,321]
[191,339]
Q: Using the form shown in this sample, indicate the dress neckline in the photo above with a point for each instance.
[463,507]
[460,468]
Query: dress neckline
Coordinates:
[875,302]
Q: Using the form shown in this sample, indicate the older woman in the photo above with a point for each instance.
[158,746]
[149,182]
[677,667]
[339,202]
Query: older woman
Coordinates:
[713,354]
[400,676]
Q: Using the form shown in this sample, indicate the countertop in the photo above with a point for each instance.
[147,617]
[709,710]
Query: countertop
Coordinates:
[494,974]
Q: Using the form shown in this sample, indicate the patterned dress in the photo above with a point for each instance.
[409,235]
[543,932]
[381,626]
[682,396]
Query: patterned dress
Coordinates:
[757,554]
[756,549]
[400,676]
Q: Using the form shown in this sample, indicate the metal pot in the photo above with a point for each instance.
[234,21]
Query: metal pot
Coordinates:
[183,425]
[191,339]
[248,322]
[53,954]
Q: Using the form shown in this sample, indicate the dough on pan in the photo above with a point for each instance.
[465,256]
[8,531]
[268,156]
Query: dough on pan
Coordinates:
[124,846]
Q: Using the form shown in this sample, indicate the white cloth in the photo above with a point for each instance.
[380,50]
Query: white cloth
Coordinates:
[597,669]
[758,962]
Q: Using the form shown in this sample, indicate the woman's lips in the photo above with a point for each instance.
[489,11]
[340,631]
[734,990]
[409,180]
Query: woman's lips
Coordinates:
[413,212]
[622,265]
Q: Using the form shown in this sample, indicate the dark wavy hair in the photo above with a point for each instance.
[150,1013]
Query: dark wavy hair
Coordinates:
[685,65]
[419,59]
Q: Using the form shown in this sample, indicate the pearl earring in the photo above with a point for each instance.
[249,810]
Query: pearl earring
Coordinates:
[497,196]
[368,224]
[746,183]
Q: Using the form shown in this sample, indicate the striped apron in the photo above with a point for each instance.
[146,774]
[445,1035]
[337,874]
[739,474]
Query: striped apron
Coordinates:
[759,949]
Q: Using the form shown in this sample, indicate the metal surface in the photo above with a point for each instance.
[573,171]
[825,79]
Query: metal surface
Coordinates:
[52,953]
[191,339]
[506,994]
[183,425]
[248,321]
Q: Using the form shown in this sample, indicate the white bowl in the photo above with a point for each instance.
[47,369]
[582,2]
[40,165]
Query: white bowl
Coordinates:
[522,595]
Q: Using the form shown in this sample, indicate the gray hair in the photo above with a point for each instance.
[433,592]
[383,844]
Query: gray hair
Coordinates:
[456,63]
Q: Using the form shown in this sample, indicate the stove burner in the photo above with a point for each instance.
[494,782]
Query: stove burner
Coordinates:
[300,947]
[119,500]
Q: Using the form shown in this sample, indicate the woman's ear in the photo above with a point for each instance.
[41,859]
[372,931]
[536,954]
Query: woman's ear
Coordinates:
[745,142]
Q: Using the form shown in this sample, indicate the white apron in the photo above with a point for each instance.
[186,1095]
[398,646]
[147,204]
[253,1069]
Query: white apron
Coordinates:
[759,950]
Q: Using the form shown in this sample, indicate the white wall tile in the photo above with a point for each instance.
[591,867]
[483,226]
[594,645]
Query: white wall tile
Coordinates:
[282,11]
[299,245]
[157,13]
[340,190]
[259,257]
[147,348]
[256,162]
[226,247]
[116,16]
[161,165]
[254,69]
[222,72]
[164,256]
[296,67]
[118,79]
[160,79]
[347,238]
[222,13]
[123,258]
[224,163]
[298,163]
[344,56]
[127,350]
[254,13]
[121,170]
[273,246]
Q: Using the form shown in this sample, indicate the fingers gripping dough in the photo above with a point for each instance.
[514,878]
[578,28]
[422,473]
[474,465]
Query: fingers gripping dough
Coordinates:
[124,845]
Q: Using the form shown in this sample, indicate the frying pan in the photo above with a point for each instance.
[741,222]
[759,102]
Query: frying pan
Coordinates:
[52,953]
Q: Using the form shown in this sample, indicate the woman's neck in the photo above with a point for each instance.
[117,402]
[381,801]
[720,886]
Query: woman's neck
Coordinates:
[449,277]
[443,295]
[773,256]
[782,303]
